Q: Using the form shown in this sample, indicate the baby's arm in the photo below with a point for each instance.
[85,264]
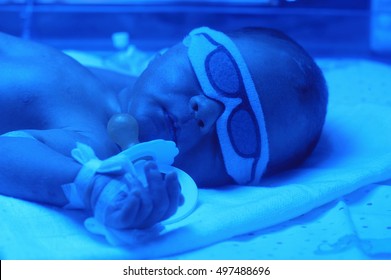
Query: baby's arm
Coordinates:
[34,171]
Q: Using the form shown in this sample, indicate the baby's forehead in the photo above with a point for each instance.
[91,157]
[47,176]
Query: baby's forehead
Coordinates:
[177,54]
[272,62]
[174,68]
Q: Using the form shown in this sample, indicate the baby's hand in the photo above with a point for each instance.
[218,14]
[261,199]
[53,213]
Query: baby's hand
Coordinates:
[142,207]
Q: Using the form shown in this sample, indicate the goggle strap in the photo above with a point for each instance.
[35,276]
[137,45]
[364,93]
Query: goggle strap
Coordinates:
[242,170]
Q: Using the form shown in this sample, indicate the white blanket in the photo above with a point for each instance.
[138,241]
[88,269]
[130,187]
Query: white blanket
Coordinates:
[354,151]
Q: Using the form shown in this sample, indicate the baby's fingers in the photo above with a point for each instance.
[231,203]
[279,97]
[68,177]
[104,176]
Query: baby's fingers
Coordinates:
[145,210]
[158,194]
[174,193]
[122,212]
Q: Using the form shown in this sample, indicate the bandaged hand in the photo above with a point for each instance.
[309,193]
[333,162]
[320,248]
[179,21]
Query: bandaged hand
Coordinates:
[125,191]
[122,202]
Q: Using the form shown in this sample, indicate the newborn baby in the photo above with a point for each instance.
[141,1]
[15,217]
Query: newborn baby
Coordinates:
[238,106]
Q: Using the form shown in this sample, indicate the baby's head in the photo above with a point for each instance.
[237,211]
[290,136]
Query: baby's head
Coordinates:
[240,105]
[292,90]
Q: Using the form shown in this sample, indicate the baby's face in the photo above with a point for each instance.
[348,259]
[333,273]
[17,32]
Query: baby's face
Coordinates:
[168,103]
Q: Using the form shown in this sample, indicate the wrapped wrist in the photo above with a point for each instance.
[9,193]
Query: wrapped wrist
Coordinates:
[87,186]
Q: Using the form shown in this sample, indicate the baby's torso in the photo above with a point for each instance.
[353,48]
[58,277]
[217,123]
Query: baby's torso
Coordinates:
[41,88]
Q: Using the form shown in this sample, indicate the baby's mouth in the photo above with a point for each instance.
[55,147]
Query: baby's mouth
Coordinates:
[172,125]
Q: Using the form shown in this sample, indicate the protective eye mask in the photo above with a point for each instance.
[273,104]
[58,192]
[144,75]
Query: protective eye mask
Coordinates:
[224,77]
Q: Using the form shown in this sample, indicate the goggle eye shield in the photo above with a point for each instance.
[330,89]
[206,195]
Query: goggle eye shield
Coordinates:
[224,77]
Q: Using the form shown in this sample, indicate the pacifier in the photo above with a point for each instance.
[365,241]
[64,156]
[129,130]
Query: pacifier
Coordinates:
[124,131]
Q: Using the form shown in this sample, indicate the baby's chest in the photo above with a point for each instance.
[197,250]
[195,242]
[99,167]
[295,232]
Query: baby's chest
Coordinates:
[35,98]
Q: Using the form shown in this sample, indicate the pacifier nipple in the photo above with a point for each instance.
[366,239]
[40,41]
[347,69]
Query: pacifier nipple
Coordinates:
[123,130]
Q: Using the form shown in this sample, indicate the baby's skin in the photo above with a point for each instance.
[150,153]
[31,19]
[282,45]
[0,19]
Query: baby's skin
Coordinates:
[60,103]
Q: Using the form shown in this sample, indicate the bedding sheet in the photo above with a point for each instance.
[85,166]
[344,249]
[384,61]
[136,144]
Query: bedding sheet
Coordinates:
[336,204]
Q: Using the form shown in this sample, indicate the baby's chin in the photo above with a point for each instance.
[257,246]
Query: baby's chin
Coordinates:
[148,132]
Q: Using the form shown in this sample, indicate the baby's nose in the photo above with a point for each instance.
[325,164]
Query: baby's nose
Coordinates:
[206,111]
